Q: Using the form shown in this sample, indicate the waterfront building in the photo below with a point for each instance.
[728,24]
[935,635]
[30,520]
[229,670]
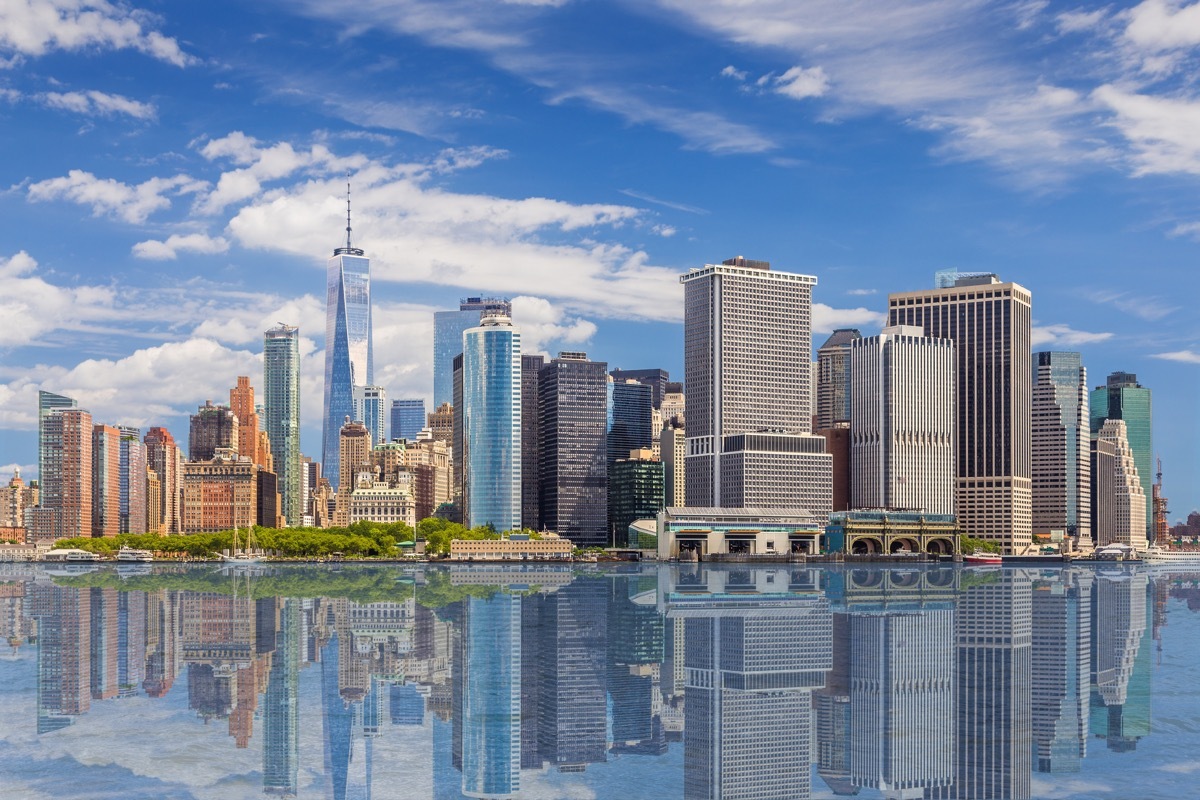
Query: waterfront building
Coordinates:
[106,481]
[48,402]
[717,531]
[635,492]
[66,485]
[408,418]
[1123,398]
[241,403]
[154,517]
[673,452]
[903,421]
[491,424]
[531,513]
[220,494]
[990,324]
[630,404]
[518,547]
[657,379]
[210,428]
[747,346]
[381,501]
[448,330]
[1061,463]
[369,404]
[281,406]
[572,449]
[874,532]
[349,354]
[1118,501]
[833,386]
[165,459]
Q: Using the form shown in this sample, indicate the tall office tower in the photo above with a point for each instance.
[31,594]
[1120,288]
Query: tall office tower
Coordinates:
[657,379]
[837,444]
[673,405]
[164,458]
[813,375]
[369,404]
[349,355]
[408,418]
[990,324]
[106,481]
[902,701]
[1123,398]
[902,424]
[448,330]
[491,424]
[1122,660]
[1118,501]
[531,511]
[47,403]
[354,458]
[458,442]
[241,403]
[281,737]
[747,334]
[573,478]
[66,485]
[635,491]
[212,427]
[441,423]
[993,652]
[490,725]
[281,414]
[132,482]
[1062,639]
[629,411]
[833,388]
[672,450]
[1062,474]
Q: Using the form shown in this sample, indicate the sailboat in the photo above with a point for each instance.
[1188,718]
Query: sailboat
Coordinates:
[243,555]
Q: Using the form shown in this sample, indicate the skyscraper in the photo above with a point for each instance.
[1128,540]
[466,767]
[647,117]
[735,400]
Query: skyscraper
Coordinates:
[448,329]
[212,427]
[48,402]
[349,357]
[573,481]
[164,458]
[656,379]
[747,334]
[408,418]
[833,378]
[66,485]
[531,511]
[1062,473]
[990,324]
[635,492]
[106,481]
[1118,501]
[132,482]
[629,408]
[1123,398]
[902,424]
[241,403]
[369,405]
[673,451]
[491,424]
[281,412]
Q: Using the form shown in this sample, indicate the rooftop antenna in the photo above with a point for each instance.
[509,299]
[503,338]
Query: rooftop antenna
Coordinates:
[349,249]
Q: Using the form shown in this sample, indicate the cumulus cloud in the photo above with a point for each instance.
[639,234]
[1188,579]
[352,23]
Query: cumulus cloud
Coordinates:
[36,27]
[543,323]
[826,318]
[31,307]
[1065,336]
[155,250]
[1157,25]
[93,103]
[799,83]
[106,196]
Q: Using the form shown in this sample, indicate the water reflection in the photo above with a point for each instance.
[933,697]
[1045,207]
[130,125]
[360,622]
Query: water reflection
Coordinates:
[676,681]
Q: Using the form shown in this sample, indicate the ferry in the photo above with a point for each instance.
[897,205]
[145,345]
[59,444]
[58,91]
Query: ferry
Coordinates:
[983,558]
[1169,555]
[132,554]
[70,555]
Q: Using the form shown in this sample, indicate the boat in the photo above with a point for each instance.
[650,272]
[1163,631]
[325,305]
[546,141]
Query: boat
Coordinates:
[243,555]
[983,558]
[1156,554]
[132,554]
[70,554]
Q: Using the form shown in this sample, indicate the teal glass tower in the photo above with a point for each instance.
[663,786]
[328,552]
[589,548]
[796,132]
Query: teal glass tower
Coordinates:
[281,402]
[491,419]
[349,359]
[1122,397]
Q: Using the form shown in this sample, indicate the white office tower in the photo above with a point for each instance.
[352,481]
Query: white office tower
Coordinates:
[902,421]
[369,405]
[1118,500]
[1062,474]
[991,325]
[747,361]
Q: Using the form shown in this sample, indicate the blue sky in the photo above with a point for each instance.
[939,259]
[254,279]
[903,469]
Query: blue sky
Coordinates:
[173,177]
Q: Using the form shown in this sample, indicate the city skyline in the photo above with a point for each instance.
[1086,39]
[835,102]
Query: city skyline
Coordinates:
[157,224]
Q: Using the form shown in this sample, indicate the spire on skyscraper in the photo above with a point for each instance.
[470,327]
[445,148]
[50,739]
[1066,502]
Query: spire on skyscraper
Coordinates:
[348,250]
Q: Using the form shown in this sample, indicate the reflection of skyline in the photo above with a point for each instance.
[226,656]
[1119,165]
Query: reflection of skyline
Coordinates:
[900,683]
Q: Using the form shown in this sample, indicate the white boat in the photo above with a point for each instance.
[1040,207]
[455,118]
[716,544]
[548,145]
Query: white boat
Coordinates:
[132,554]
[1168,555]
[243,555]
[70,554]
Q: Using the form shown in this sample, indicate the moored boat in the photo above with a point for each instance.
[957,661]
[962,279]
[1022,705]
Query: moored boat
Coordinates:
[133,554]
[1170,555]
[983,558]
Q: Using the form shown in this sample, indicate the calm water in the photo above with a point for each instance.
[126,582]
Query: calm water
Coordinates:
[673,682]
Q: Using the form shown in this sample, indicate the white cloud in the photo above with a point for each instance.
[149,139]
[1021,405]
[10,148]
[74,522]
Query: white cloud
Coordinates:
[1161,130]
[134,204]
[177,243]
[31,307]
[543,323]
[1184,356]
[1156,25]
[862,292]
[665,231]
[1065,336]
[95,103]
[825,319]
[1080,21]
[731,71]
[36,27]
[799,83]
[1149,308]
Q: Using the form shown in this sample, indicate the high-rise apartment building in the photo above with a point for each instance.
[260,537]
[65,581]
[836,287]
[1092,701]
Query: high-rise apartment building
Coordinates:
[212,427]
[491,424]
[220,493]
[106,481]
[903,421]
[531,508]
[281,414]
[47,403]
[408,418]
[66,485]
[1062,474]
[132,482]
[165,459]
[349,356]
[1118,500]
[573,481]
[369,405]
[14,499]
[990,324]
[747,333]
[833,378]
[448,330]
[241,403]
[1123,398]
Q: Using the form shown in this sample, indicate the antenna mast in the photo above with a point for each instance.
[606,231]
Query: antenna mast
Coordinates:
[349,249]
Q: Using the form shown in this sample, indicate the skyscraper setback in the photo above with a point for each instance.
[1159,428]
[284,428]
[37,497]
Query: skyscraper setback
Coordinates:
[1123,398]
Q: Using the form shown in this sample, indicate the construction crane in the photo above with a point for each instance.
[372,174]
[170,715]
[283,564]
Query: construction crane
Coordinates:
[1161,531]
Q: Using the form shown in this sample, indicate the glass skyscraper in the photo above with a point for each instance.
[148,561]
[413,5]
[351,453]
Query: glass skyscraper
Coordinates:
[1061,459]
[349,360]
[369,405]
[281,406]
[408,418]
[47,403]
[491,419]
[448,330]
[1122,397]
